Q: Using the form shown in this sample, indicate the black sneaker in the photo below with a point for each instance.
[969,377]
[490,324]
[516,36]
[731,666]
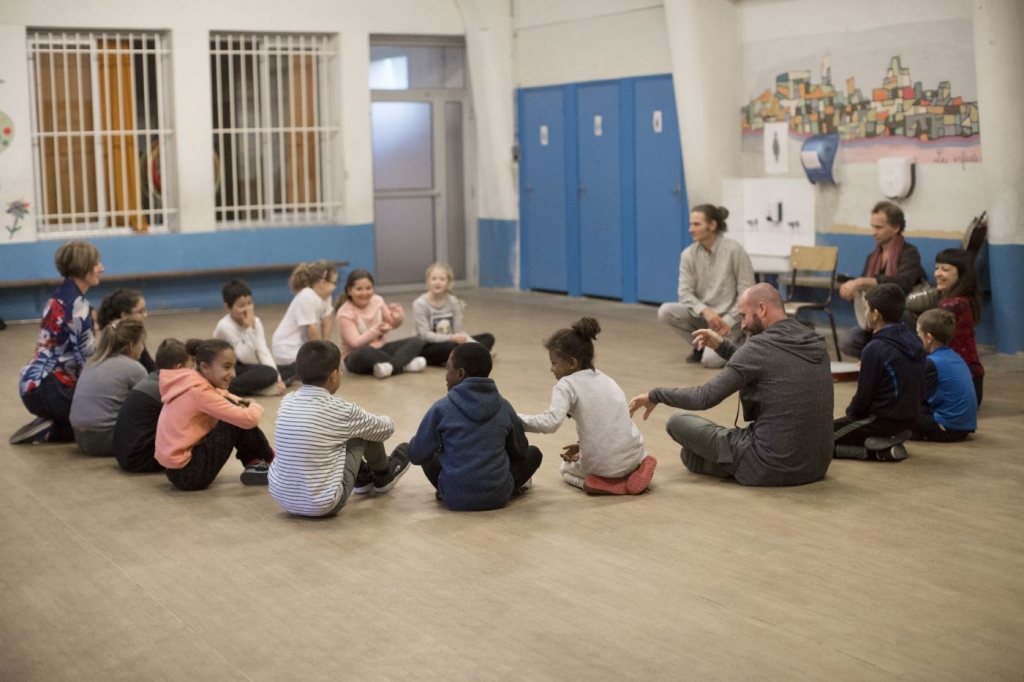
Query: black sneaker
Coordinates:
[398,464]
[889,449]
[695,357]
[36,431]
[364,479]
[255,473]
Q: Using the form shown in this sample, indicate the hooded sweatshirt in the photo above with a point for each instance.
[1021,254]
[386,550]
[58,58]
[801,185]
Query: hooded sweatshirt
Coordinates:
[192,408]
[892,371]
[477,434]
[784,379]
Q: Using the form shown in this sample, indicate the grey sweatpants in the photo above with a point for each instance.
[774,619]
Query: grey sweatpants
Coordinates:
[701,439]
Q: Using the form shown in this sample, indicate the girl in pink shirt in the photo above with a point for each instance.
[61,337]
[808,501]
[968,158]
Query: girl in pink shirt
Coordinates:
[363,321]
[201,423]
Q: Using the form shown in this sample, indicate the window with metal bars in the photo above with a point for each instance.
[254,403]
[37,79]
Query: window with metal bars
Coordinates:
[101,131]
[273,129]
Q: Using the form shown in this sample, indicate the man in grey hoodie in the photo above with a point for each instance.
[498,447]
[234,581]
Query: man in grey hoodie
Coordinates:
[784,379]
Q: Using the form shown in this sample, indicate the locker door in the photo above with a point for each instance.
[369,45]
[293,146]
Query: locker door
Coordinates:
[662,216]
[542,190]
[599,193]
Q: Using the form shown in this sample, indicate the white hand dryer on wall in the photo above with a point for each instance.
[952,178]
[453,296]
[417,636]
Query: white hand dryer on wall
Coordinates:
[896,176]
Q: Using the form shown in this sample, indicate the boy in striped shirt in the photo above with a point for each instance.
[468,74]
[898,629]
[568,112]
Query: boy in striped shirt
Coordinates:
[327,448]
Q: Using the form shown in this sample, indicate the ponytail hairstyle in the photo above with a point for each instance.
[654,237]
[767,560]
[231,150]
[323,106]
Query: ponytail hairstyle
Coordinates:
[577,342]
[966,281]
[715,214]
[117,305]
[207,350]
[117,338]
[354,277]
[307,274]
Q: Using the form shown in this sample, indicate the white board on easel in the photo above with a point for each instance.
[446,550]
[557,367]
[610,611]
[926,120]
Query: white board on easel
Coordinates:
[769,216]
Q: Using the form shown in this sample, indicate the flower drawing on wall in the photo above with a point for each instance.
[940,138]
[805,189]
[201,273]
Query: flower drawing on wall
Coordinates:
[6,130]
[18,209]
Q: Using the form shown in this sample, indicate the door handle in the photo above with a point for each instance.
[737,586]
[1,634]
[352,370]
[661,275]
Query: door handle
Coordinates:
[582,190]
[677,192]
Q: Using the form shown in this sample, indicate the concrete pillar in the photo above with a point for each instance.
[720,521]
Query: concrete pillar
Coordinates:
[707,72]
[999,59]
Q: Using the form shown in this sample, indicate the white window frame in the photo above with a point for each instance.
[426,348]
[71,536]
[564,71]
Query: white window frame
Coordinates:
[252,201]
[80,221]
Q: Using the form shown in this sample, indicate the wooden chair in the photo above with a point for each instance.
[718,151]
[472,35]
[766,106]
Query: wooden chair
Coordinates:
[813,266]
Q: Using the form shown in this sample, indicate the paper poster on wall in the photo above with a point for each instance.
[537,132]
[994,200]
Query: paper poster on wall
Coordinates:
[17,202]
[907,90]
[769,216]
[776,148]
[543,136]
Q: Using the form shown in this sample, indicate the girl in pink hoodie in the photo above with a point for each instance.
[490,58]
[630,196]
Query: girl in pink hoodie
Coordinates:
[201,423]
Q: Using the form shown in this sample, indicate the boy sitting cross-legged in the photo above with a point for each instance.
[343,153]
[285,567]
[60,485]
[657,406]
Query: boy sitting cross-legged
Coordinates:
[951,411]
[326,447]
[255,371]
[890,387]
[471,444]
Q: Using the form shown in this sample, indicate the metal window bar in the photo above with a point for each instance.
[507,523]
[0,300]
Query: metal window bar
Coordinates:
[100,159]
[273,128]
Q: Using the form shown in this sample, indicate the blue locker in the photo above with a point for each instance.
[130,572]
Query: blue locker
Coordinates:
[662,215]
[542,189]
[599,192]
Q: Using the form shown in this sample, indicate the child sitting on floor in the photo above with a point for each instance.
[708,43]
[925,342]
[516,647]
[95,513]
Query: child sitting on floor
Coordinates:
[470,443]
[109,377]
[255,371]
[308,316]
[327,448]
[438,316]
[890,386]
[609,458]
[135,430]
[201,423]
[951,411]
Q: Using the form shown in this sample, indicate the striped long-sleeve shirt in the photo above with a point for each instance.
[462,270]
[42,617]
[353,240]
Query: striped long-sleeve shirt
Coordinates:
[311,444]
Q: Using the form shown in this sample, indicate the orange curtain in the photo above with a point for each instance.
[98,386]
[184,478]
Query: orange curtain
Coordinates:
[121,161]
[300,147]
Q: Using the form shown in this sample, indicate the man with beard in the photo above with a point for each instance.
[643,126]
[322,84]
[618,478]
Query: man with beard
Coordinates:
[784,379]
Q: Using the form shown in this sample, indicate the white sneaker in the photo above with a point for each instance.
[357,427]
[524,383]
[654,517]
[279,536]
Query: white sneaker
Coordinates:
[382,370]
[415,365]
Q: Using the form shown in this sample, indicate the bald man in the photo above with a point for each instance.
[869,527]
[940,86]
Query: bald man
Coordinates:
[784,379]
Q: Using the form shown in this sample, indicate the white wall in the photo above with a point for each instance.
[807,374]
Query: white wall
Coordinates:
[947,196]
[190,22]
[573,41]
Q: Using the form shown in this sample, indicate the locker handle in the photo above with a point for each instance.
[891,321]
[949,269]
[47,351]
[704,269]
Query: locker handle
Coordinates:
[677,192]
[582,190]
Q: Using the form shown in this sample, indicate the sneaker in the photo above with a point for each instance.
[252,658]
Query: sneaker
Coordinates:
[255,473]
[364,479]
[602,485]
[638,481]
[382,370]
[36,431]
[889,449]
[416,364]
[695,356]
[398,464]
[522,489]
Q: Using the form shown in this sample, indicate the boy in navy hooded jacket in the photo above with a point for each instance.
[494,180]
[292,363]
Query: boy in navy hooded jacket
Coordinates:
[471,444]
[890,388]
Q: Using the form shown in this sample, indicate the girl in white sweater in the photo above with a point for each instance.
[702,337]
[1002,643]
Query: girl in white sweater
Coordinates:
[609,458]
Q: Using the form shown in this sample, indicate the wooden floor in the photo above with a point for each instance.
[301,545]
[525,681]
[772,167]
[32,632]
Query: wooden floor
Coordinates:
[908,571]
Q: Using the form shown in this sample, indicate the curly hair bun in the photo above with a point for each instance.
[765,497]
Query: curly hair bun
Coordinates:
[587,327]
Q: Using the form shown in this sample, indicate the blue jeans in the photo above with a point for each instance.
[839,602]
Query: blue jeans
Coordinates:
[52,400]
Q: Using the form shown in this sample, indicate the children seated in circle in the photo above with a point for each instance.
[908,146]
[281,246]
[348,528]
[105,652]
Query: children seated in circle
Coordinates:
[326,447]
[111,373]
[66,340]
[135,429]
[364,320]
[202,423]
[471,444]
[438,317]
[958,293]
[121,304]
[609,457]
[308,316]
[255,372]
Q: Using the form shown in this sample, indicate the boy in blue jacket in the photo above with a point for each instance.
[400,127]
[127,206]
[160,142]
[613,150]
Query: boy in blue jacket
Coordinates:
[951,411]
[471,444]
[890,388]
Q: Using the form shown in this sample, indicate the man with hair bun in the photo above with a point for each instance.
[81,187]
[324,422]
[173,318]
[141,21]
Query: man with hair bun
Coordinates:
[713,271]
